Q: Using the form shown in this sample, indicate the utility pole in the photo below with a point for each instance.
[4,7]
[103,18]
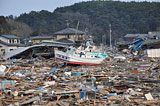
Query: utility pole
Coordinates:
[110,31]
[105,40]
[102,40]
[67,23]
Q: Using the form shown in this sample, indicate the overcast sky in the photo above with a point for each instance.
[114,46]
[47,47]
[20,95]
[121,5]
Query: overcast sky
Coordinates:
[17,7]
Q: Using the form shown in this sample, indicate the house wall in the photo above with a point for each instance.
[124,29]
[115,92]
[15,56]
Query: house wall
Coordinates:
[14,41]
[40,40]
[153,52]
[157,46]
[73,38]
[129,39]
[76,37]
[60,36]
[5,49]
[11,41]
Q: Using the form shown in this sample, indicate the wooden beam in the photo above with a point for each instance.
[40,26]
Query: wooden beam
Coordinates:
[77,95]
[58,97]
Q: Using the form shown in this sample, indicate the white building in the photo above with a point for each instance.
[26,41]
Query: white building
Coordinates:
[8,43]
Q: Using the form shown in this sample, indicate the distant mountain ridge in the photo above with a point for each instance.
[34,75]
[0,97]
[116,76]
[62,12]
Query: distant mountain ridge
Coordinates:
[95,17]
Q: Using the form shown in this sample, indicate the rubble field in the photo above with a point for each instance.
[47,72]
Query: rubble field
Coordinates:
[116,82]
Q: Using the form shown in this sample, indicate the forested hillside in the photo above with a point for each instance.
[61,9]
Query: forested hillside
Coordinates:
[95,16]
[10,26]
[3,25]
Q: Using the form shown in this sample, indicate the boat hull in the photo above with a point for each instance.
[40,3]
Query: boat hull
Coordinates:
[71,59]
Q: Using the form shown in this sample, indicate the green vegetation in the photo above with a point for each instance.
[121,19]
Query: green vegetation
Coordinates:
[3,25]
[19,28]
[125,17]
[10,26]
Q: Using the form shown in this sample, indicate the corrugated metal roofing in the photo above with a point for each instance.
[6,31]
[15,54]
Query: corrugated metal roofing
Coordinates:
[69,31]
[20,50]
[135,35]
[153,41]
[10,36]
[130,35]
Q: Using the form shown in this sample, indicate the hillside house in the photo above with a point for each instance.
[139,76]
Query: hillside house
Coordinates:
[154,35]
[71,34]
[132,37]
[9,43]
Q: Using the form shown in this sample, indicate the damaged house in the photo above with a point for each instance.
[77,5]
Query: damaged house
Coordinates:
[45,50]
[9,43]
[38,39]
[134,42]
[71,34]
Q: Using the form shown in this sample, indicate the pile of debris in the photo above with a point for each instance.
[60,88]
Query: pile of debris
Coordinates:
[118,81]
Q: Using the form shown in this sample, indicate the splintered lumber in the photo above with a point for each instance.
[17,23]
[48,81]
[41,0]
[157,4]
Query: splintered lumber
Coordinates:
[0,94]
[141,101]
[59,93]
[10,100]
[30,100]
[51,104]
[60,103]
[150,102]
[63,103]
[66,92]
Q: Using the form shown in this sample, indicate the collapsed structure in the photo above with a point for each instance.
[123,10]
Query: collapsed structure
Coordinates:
[118,81]
[124,78]
[140,43]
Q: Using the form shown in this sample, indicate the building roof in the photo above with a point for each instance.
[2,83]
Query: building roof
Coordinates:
[41,37]
[130,35]
[151,42]
[142,36]
[135,35]
[154,33]
[69,31]
[8,44]
[21,50]
[10,36]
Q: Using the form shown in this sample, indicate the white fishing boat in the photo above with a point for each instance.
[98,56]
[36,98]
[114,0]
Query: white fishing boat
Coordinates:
[73,56]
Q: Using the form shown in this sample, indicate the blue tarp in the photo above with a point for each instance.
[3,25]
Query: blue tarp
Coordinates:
[137,45]
[76,73]
[135,41]
[53,70]
[82,94]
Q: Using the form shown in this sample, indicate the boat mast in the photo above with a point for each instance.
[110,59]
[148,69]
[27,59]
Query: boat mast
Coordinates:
[77,30]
